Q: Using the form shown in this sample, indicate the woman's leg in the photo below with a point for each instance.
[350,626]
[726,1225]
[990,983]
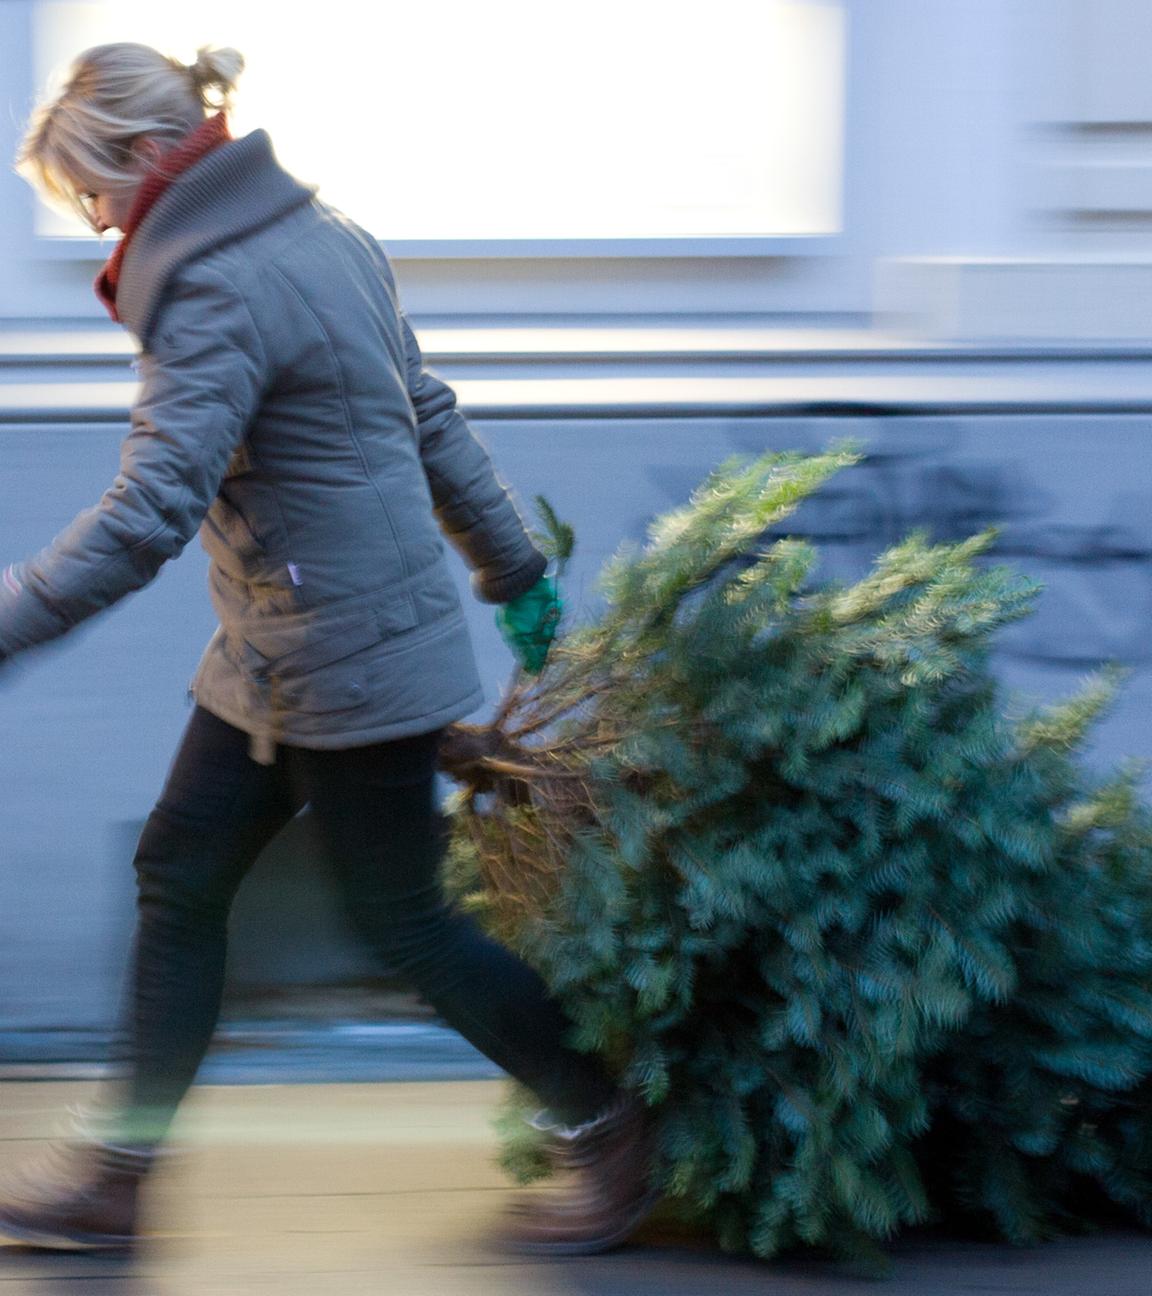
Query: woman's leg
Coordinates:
[218,810]
[376,812]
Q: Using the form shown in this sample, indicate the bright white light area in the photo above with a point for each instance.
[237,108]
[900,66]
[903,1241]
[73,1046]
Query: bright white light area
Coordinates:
[518,119]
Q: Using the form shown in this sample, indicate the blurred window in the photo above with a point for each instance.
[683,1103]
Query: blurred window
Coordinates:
[519,120]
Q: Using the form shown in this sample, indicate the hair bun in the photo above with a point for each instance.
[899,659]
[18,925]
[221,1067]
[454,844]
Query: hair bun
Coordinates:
[218,70]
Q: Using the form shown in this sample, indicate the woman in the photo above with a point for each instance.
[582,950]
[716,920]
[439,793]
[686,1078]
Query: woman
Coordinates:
[284,412]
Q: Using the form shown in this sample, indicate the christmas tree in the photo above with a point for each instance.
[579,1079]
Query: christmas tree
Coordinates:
[876,951]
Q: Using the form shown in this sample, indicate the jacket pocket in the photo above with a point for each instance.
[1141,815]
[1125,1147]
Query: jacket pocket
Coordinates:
[332,674]
[349,638]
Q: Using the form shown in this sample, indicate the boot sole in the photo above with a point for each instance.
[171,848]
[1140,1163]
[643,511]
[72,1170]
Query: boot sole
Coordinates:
[591,1246]
[64,1241]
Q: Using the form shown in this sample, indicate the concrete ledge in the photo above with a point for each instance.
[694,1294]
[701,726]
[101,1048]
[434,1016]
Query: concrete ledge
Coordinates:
[585,341]
[1087,389]
[967,298]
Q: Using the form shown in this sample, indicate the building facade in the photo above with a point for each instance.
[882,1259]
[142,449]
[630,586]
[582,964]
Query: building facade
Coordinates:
[978,318]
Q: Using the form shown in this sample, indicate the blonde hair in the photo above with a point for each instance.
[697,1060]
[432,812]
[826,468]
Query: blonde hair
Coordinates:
[82,140]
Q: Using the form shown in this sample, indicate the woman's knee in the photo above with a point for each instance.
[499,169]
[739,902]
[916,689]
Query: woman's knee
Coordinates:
[417,946]
[178,868]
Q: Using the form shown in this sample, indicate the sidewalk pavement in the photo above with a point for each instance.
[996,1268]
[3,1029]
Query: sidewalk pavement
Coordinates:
[391,1189]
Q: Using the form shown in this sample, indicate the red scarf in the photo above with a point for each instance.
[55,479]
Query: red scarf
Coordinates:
[208,135]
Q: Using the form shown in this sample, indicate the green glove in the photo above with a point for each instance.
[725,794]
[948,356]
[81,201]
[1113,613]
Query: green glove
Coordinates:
[528,623]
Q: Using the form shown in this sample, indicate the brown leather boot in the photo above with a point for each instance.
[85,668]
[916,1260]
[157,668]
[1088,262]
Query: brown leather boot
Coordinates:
[82,1198]
[608,1165]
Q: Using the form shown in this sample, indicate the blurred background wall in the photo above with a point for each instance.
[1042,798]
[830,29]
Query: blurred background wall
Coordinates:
[942,250]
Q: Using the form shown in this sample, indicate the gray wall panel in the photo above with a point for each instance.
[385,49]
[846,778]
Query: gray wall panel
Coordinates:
[89,725]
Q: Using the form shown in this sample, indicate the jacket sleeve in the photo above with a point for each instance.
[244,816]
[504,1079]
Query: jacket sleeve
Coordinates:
[473,508]
[201,380]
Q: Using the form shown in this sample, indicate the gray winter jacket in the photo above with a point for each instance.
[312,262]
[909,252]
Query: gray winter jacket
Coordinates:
[284,411]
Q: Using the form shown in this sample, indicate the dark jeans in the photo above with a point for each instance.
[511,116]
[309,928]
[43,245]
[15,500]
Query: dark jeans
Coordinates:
[375,811]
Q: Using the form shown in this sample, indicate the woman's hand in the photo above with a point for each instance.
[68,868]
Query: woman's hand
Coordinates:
[528,623]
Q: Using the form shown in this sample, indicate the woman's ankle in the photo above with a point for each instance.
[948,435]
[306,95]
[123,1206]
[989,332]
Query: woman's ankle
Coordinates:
[573,1123]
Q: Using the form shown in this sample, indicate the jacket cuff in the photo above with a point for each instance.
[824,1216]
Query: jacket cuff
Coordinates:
[501,589]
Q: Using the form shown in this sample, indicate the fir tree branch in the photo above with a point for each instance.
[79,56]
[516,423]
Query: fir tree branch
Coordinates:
[525,771]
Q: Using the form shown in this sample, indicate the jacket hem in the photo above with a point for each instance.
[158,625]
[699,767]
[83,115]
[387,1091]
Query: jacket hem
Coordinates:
[354,737]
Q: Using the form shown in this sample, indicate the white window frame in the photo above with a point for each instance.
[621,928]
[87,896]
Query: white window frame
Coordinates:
[82,248]
[833,243]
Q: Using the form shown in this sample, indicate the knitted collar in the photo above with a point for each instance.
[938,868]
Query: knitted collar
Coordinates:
[237,189]
[209,135]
